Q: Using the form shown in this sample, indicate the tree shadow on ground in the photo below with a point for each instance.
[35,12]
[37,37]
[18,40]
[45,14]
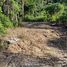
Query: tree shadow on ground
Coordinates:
[36,25]
[58,43]
[20,60]
[41,25]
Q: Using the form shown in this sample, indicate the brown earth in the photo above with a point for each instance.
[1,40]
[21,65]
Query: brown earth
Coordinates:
[42,41]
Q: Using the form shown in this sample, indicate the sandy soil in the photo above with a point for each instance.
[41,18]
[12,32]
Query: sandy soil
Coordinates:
[42,46]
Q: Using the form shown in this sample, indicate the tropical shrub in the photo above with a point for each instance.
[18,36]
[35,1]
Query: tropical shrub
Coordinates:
[2,28]
[55,11]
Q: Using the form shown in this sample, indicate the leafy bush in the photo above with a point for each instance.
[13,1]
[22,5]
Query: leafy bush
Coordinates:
[2,28]
[55,11]
[40,10]
[63,18]
[41,16]
[32,18]
[8,17]
[5,21]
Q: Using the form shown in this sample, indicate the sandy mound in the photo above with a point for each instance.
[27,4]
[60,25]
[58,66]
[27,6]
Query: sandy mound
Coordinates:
[34,42]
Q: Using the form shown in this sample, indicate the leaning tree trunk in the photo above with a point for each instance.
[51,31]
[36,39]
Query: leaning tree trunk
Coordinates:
[21,13]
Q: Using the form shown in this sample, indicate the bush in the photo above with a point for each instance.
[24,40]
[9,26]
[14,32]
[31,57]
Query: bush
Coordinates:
[55,11]
[38,16]
[50,12]
[2,28]
[35,18]
[5,21]
[32,18]
[63,18]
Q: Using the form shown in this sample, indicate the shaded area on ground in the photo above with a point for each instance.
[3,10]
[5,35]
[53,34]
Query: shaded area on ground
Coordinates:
[41,25]
[19,60]
[61,42]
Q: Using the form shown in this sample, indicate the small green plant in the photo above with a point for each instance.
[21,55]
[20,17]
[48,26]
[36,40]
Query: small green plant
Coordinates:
[2,29]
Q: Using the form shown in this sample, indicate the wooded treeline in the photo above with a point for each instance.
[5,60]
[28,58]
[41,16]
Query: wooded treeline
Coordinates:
[13,12]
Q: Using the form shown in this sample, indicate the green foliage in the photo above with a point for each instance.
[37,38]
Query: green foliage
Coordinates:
[0,10]
[2,28]
[5,21]
[9,11]
[63,18]
[32,18]
[40,10]
[55,11]
[1,2]
[16,6]
[13,12]
[42,16]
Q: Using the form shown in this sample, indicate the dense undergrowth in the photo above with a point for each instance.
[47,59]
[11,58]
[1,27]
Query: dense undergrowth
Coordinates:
[13,12]
[43,10]
[9,14]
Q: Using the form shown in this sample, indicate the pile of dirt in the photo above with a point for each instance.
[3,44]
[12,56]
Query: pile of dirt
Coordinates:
[42,43]
[33,42]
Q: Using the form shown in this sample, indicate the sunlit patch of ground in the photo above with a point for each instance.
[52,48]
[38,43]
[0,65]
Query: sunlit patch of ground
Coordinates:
[35,42]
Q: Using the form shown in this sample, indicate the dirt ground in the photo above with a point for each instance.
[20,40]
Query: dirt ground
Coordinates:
[37,45]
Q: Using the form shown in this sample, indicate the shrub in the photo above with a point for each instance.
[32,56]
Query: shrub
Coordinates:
[55,11]
[63,18]
[50,12]
[40,17]
[5,21]
[2,28]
